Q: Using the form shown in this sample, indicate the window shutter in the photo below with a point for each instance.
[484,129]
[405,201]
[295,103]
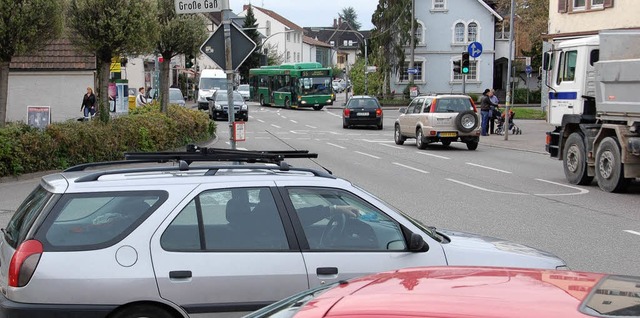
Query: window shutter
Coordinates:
[562,6]
[608,3]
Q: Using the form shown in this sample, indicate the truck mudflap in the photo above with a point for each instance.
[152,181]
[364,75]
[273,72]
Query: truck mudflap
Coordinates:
[633,144]
[552,145]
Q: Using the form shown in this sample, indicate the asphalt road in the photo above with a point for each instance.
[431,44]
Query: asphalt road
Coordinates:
[519,195]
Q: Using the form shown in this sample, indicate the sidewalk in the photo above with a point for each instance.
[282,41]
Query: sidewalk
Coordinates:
[532,139]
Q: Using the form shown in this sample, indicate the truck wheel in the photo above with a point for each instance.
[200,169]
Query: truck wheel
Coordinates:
[420,142]
[398,137]
[609,167]
[574,160]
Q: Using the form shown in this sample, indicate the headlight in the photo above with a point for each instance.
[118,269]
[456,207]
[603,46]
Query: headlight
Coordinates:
[304,102]
[218,106]
[244,107]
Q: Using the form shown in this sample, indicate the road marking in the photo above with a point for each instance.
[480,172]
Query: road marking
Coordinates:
[283,117]
[276,126]
[260,120]
[311,127]
[484,189]
[412,168]
[582,191]
[332,114]
[293,121]
[391,146]
[240,148]
[297,133]
[432,155]
[378,140]
[368,155]
[262,137]
[485,167]
[632,232]
[337,146]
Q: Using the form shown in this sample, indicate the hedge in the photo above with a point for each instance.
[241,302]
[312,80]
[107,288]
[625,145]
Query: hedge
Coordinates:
[24,149]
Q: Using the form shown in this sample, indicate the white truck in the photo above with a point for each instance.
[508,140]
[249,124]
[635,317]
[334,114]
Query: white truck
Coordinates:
[594,102]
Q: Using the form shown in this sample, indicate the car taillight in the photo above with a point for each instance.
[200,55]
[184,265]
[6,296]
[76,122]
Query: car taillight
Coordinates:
[378,112]
[23,263]
[347,112]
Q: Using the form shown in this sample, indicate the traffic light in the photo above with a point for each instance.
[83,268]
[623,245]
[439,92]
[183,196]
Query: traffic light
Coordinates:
[188,63]
[465,63]
[456,67]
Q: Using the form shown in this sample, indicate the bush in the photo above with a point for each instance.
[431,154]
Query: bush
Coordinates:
[520,96]
[24,149]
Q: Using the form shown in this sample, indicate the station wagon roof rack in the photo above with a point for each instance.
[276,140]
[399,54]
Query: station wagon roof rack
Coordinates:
[202,154]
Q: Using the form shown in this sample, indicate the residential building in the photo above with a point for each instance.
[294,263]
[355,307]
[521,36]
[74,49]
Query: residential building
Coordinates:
[280,34]
[576,18]
[56,76]
[343,38]
[445,29]
[317,51]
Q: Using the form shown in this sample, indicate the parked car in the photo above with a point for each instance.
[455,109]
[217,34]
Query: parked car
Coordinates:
[219,106]
[487,292]
[243,89]
[338,86]
[362,110]
[188,237]
[442,118]
[176,97]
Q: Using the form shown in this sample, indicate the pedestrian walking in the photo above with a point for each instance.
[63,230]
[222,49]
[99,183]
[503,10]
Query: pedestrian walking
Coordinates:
[88,104]
[141,100]
[494,112]
[485,108]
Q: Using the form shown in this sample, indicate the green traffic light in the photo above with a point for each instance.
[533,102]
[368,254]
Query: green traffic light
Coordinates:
[465,70]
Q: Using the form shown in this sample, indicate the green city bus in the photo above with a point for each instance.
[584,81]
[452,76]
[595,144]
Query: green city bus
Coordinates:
[292,85]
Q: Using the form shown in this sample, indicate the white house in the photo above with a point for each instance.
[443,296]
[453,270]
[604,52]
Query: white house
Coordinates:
[445,30]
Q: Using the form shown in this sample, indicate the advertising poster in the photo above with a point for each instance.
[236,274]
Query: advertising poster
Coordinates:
[113,93]
[39,116]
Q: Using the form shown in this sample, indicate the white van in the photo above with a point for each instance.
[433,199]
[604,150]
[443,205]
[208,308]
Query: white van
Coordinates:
[210,81]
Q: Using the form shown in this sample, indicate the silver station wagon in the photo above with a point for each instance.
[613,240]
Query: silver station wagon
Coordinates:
[194,238]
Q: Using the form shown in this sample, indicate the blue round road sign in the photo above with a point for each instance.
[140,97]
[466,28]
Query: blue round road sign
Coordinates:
[475,49]
[527,69]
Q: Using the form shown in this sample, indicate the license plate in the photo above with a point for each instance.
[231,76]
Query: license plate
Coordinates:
[316,105]
[448,134]
[362,114]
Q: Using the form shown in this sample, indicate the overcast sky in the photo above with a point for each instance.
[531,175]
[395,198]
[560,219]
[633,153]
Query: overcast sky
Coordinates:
[313,13]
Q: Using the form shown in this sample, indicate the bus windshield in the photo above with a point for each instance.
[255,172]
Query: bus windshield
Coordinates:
[315,85]
[213,83]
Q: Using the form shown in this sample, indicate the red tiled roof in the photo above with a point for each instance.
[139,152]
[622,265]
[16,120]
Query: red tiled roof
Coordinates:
[276,16]
[58,55]
[311,41]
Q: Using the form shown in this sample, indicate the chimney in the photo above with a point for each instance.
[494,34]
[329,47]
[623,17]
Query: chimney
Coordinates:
[335,23]
[339,21]
[246,7]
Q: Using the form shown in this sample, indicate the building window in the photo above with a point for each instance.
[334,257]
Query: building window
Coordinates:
[288,56]
[459,32]
[579,4]
[419,34]
[268,28]
[597,3]
[473,72]
[288,37]
[404,76]
[332,43]
[340,59]
[472,32]
[439,4]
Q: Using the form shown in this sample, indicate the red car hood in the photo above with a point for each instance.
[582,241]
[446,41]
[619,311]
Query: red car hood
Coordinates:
[458,292]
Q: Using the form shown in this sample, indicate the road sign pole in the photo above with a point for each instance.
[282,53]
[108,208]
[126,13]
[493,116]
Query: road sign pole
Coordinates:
[464,83]
[229,70]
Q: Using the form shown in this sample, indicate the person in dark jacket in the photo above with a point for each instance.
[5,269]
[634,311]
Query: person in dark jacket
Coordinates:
[88,104]
[485,109]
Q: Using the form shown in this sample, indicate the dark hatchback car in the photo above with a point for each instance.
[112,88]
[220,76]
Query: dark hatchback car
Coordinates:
[362,111]
[219,106]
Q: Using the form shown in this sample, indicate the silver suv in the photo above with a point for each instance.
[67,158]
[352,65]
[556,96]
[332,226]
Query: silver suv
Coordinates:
[442,118]
[194,238]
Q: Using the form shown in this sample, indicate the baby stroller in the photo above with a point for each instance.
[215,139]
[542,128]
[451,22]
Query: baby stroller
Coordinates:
[515,130]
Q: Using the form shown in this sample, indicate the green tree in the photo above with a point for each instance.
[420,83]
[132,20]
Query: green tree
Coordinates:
[350,15]
[253,61]
[273,57]
[25,25]
[357,76]
[111,28]
[392,21]
[177,34]
[531,24]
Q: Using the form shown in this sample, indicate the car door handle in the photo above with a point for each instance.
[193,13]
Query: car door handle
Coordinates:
[180,274]
[327,271]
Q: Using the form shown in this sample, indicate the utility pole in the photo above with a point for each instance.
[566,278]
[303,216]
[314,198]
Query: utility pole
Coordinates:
[412,43]
[366,64]
[229,70]
[512,24]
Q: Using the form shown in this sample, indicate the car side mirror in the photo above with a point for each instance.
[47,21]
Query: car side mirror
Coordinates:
[209,99]
[417,243]
[402,110]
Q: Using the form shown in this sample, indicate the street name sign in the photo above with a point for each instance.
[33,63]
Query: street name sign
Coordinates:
[199,6]
[241,46]
[475,49]
[412,71]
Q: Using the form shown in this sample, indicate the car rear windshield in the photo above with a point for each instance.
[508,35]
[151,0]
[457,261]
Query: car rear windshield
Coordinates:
[363,103]
[26,215]
[453,105]
[96,220]
[222,97]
